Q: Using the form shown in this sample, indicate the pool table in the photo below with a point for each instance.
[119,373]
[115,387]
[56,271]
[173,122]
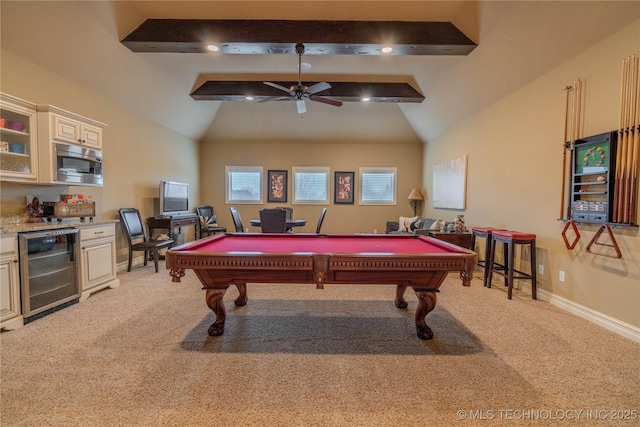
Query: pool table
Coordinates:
[415,261]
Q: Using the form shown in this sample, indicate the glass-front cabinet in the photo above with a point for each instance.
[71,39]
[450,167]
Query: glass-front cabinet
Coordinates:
[18,139]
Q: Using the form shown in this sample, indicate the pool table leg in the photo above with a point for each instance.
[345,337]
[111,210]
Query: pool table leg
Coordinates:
[400,301]
[426,303]
[242,298]
[215,303]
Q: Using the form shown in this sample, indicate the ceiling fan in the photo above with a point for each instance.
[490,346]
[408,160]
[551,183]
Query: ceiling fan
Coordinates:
[300,92]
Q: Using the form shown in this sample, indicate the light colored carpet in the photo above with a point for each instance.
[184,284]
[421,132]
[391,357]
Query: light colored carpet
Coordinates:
[139,355]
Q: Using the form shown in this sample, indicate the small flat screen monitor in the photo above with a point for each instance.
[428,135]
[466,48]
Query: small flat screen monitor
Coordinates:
[174,198]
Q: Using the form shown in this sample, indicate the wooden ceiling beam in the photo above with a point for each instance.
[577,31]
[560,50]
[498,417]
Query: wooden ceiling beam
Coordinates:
[280,37]
[216,90]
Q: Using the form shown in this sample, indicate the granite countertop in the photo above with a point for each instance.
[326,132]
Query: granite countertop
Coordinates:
[7,229]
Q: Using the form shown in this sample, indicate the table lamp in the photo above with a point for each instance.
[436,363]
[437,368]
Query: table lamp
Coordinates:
[414,196]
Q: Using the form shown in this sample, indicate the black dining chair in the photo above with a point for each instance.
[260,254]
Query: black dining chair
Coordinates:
[208,224]
[137,239]
[320,220]
[289,212]
[273,220]
[237,220]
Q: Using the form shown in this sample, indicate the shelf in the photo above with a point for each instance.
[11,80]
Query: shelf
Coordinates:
[10,153]
[585,193]
[591,173]
[591,183]
[13,132]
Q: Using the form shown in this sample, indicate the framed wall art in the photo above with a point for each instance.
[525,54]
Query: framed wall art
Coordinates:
[450,184]
[343,192]
[277,182]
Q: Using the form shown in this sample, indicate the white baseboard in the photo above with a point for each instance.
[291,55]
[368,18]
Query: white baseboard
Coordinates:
[621,328]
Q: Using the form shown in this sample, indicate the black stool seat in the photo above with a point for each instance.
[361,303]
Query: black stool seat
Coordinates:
[511,239]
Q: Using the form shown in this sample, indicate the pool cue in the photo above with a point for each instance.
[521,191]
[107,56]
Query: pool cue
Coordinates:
[633,189]
[621,149]
[564,156]
[616,177]
[633,71]
[575,114]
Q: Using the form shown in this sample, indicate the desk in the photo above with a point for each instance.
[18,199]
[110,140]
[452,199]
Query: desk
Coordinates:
[290,223]
[169,223]
[419,262]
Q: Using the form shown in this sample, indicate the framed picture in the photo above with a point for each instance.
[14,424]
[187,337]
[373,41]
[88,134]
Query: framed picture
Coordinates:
[277,186]
[343,187]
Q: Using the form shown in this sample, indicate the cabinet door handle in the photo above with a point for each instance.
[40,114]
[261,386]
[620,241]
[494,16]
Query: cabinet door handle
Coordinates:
[98,232]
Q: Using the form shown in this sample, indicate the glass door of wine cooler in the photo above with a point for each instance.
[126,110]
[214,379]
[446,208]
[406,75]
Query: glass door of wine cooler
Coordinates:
[49,269]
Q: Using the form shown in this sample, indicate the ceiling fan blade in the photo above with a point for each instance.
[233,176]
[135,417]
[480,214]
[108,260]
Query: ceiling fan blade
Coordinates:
[277,86]
[302,108]
[326,100]
[318,87]
[274,98]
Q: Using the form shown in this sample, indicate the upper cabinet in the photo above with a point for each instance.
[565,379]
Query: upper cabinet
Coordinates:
[48,145]
[64,126]
[18,140]
[70,148]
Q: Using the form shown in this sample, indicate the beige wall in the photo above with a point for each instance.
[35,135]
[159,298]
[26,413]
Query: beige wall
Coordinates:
[514,153]
[138,153]
[338,155]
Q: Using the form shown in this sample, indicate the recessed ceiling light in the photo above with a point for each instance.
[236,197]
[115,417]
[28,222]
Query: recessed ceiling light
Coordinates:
[305,66]
[366,99]
[386,49]
[249,98]
[213,47]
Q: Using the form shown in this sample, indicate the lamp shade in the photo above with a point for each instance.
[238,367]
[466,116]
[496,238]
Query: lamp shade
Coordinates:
[416,194]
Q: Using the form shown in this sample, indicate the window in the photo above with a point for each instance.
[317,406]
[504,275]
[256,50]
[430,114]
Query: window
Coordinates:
[378,186]
[244,184]
[311,185]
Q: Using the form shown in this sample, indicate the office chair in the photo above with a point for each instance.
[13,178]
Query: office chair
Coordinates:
[237,220]
[273,220]
[208,223]
[136,235]
[320,220]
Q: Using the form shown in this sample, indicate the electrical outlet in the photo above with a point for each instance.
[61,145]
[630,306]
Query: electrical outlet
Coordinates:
[541,270]
[561,276]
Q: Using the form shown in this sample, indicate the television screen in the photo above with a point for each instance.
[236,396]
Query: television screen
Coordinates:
[174,198]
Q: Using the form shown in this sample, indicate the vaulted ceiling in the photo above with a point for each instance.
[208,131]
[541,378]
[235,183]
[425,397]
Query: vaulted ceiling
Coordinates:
[516,43]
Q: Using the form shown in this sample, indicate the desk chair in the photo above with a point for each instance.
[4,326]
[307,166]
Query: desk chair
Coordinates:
[208,223]
[273,220]
[320,220]
[136,235]
[237,220]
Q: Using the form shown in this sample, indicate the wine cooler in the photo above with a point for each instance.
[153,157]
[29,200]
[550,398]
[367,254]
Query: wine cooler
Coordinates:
[49,271]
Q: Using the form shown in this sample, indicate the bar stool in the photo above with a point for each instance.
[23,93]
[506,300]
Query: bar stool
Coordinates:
[485,233]
[511,239]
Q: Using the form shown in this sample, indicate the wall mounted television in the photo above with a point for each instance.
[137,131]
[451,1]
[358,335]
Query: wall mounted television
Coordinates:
[174,198]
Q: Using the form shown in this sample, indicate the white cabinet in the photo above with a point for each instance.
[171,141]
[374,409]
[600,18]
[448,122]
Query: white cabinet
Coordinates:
[98,266]
[59,125]
[10,312]
[18,140]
